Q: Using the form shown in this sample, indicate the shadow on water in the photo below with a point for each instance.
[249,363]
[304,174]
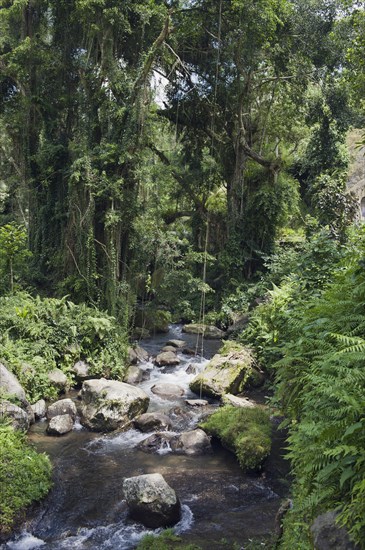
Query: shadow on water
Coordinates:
[86,510]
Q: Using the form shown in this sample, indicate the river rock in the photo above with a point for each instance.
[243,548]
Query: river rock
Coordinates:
[168,391]
[17,416]
[194,442]
[156,442]
[58,379]
[229,399]
[39,409]
[189,351]
[167,359]
[191,369]
[209,331]
[176,343]
[150,422]
[224,374]
[81,371]
[109,404]
[168,348]
[152,501]
[11,387]
[239,324]
[134,375]
[327,535]
[60,424]
[196,402]
[62,407]
[136,354]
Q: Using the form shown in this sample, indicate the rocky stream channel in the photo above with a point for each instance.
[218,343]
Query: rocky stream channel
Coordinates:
[221,505]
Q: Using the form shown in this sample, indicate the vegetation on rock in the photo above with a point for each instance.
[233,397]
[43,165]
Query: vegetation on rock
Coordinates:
[246,432]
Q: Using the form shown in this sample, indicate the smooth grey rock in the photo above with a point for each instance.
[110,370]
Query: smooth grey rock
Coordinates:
[224,374]
[167,359]
[137,354]
[176,343]
[194,442]
[150,422]
[61,407]
[243,402]
[210,332]
[134,375]
[327,535]
[17,416]
[81,371]
[60,425]
[109,404]
[152,501]
[11,387]
[39,409]
[168,348]
[58,379]
[168,391]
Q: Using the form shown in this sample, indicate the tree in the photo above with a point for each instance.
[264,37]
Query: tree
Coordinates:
[13,250]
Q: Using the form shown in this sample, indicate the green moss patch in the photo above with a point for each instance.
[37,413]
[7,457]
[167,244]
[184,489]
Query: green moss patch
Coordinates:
[246,432]
[25,476]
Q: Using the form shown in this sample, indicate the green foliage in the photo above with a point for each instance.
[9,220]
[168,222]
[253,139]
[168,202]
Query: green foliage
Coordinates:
[246,432]
[167,540]
[13,252]
[25,476]
[321,385]
[38,335]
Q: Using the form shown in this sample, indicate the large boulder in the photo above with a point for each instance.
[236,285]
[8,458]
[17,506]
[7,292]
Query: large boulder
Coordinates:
[18,417]
[167,359]
[152,501]
[168,391]
[224,374]
[109,404]
[10,387]
[58,379]
[327,535]
[209,332]
[60,424]
[150,422]
[61,407]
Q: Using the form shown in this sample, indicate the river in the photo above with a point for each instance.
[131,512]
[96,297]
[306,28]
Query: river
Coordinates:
[222,506]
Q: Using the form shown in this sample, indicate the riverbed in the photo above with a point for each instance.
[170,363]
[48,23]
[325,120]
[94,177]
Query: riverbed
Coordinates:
[222,506]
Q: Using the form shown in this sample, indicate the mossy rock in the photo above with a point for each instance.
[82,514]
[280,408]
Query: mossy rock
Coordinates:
[244,431]
[224,374]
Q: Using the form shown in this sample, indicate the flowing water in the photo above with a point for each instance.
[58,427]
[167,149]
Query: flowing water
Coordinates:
[85,509]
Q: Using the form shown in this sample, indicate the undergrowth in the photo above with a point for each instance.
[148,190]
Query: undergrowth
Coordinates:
[25,476]
[37,335]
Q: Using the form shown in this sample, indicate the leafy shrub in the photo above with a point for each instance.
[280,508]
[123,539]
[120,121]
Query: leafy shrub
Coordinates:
[25,476]
[37,335]
[246,432]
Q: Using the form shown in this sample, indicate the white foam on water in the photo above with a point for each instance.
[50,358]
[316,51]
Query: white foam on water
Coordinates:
[26,541]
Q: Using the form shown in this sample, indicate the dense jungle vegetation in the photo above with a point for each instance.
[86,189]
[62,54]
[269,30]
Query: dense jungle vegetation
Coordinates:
[186,161]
